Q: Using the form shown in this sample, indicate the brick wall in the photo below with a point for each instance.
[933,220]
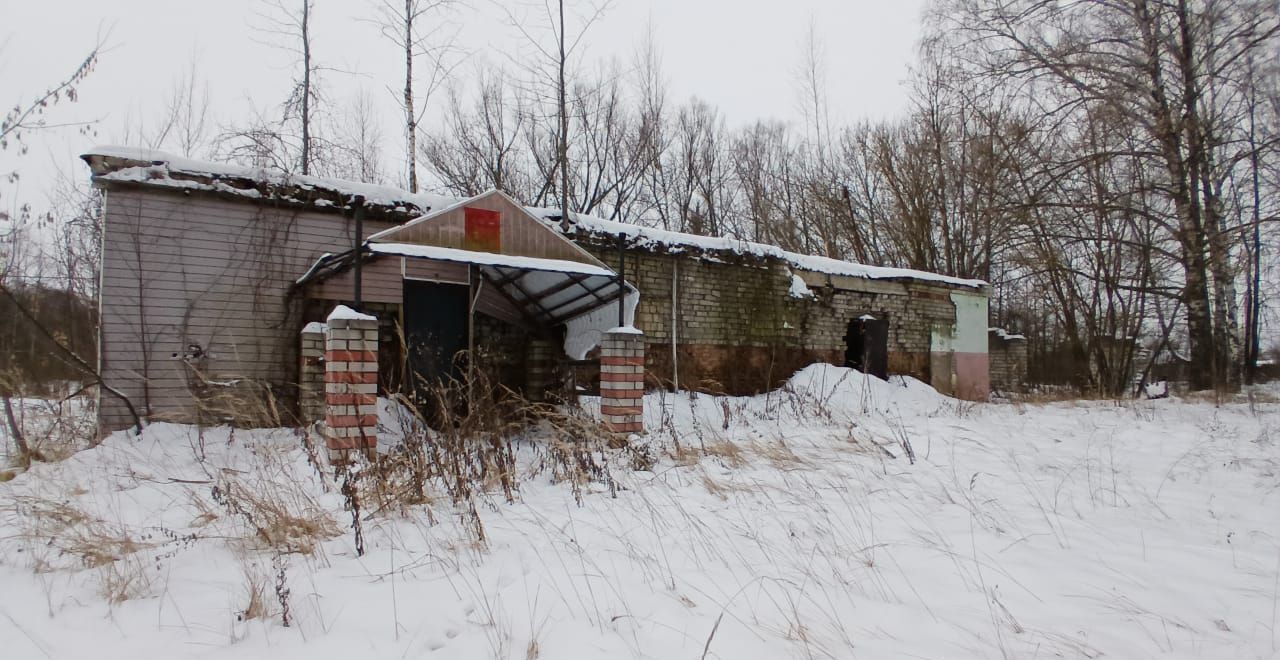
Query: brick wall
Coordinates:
[1008,361]
[740,331]
[622,382]
[351,384]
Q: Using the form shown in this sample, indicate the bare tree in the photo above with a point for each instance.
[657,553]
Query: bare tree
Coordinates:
[355,153]
[480,144]
[1170,71]
[286,25]
[410,26]
[546,28]
[24,118]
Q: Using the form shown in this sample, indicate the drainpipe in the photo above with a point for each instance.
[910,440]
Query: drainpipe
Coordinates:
[357,204]
[675,357]
[622,279]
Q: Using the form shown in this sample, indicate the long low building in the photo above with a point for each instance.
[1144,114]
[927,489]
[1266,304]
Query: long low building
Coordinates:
[210,272]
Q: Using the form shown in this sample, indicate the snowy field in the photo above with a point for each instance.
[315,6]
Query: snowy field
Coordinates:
[788,525]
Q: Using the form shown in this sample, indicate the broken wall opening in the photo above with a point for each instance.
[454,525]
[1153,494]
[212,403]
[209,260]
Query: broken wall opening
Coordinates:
[867,346]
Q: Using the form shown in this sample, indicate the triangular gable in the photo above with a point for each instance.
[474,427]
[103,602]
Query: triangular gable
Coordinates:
[489,222]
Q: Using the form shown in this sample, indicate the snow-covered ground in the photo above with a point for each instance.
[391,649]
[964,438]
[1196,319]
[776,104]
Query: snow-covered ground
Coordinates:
[793,524]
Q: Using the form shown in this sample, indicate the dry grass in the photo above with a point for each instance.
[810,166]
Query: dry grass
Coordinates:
[780,455]
[471,451]
[281,516]
[731,454]
[124,579]
[68,531]
[256,599]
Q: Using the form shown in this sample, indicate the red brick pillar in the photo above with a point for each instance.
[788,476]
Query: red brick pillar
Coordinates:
[622,380]
[351,384]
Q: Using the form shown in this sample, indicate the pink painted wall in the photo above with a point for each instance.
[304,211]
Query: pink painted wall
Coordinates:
[973,376]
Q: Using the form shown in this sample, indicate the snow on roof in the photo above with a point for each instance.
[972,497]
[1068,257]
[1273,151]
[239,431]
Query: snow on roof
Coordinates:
[488,258]
[676,242]
[1004,334]
[160,167]
[346,313]
[314,327]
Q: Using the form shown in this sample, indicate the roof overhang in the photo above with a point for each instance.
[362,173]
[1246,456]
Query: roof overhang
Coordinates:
[547,292]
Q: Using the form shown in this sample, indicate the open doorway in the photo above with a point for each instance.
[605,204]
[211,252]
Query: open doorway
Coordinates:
[435,332]
[867,346]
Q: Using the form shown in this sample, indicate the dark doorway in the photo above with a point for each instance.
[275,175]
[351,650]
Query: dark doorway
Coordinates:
[435,331]
[867,346]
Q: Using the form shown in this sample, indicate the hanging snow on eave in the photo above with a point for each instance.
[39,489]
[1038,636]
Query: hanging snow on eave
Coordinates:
[678,242]
[798,288]
[585,332]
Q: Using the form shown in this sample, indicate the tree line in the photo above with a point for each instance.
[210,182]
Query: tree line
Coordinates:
[1110,167]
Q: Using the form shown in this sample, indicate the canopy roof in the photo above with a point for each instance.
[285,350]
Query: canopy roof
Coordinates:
[546,292]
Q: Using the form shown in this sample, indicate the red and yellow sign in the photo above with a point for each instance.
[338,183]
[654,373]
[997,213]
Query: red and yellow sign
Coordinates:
[483,231]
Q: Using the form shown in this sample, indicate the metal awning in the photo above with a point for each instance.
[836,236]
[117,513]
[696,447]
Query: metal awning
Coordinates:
[547,292]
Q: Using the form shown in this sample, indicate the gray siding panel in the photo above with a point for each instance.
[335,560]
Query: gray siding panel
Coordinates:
[181,270]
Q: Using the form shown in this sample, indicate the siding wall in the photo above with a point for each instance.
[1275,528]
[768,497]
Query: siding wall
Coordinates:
[181,270]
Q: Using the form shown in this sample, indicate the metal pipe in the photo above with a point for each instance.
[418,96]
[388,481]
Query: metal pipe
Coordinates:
[622,279]
[675,354]
[357,204]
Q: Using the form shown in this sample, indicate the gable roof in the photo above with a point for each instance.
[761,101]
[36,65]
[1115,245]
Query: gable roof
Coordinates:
[521,233]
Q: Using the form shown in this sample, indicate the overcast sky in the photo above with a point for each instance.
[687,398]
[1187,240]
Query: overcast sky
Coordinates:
[738,55]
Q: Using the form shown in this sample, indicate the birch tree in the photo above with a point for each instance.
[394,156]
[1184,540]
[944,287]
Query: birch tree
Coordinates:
[418,30]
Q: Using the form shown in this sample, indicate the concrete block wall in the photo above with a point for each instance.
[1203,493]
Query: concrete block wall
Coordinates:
[351,385]
[311,393]
[622,381]
[539,366]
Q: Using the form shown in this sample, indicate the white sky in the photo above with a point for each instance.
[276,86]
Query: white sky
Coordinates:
[738,55]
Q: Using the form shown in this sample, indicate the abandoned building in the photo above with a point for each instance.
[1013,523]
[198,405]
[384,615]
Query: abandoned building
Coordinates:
[220,285]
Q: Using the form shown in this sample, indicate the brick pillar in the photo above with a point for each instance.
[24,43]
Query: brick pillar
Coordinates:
[351,384]
[538,366]
[311,374]
[622,380]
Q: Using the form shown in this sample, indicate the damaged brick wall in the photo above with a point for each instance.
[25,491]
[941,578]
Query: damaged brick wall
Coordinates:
[1008,361]
[740,330]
